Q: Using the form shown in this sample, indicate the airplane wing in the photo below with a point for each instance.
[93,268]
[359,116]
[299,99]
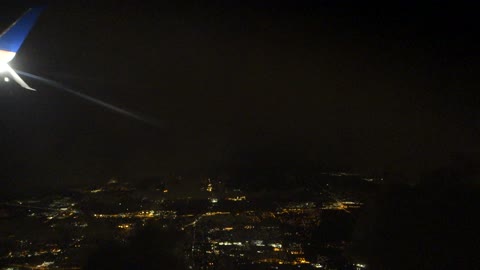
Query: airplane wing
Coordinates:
[17,78]
[11,40]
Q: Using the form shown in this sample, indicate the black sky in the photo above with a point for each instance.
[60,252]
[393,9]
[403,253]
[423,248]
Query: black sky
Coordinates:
[351,85]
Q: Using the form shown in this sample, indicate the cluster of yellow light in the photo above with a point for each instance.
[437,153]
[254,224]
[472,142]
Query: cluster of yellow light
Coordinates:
[216,213]
[291,210]
[268,215]
[125,226]
[40,252]
[120,215]
[44,265]
[338,205]
[96,190]
[228,228]
[334,206]
[296,252]
[272,260]
[43,251]
[277,249]
[352,204]
[248,227]
[139,214]
[209,187]
[145,214]
[286,211]
[236,199]
[26,253]
[275,245]
[165,191]
[300,260]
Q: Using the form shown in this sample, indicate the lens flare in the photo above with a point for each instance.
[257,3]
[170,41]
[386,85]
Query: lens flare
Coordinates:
[145,119]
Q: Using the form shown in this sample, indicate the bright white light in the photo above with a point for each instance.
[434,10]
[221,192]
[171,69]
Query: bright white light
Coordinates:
[6,68]
[6,79]
[6,56]
[3,67]
[258,243]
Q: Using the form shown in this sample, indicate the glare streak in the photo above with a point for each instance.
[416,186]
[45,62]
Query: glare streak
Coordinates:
[109,106]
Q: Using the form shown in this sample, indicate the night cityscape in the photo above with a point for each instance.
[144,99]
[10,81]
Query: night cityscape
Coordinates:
[220,227]
[213,135]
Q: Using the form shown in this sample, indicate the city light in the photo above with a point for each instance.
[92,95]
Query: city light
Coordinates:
[241,233]
[360,266]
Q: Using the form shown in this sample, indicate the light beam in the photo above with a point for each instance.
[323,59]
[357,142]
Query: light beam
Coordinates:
[145,119]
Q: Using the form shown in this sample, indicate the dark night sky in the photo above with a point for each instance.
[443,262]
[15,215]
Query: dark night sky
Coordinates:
[338,84]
